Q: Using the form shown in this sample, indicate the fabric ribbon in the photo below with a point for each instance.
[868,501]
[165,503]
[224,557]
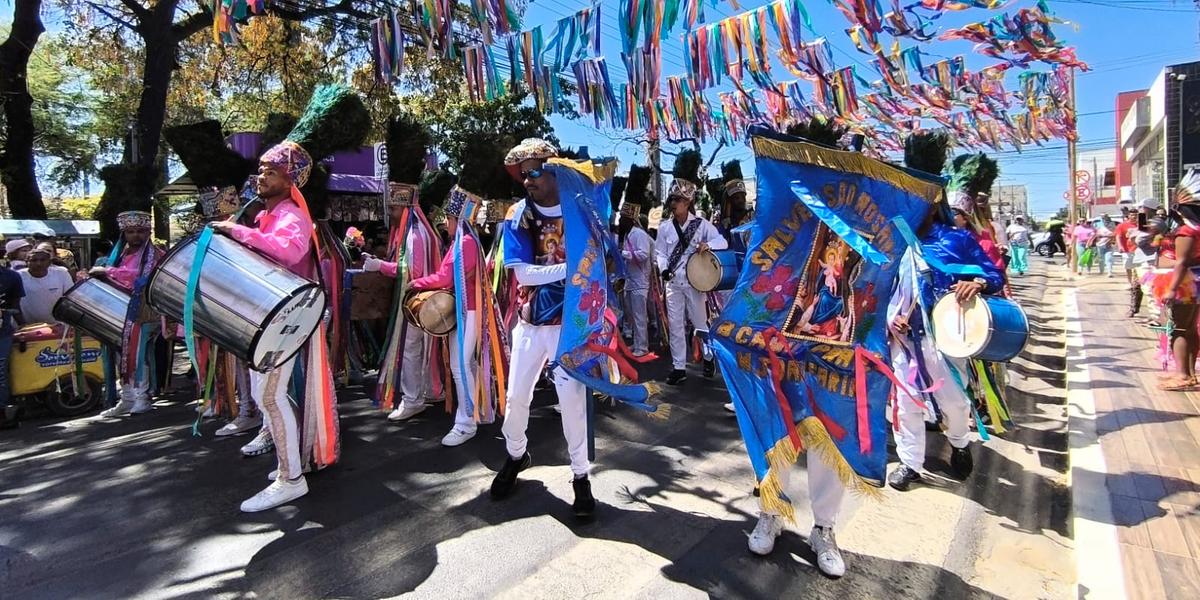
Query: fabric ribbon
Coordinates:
[843,230]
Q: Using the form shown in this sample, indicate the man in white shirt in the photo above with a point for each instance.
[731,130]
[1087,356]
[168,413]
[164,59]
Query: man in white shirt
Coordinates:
[678,239]
[636,250]
[44,285]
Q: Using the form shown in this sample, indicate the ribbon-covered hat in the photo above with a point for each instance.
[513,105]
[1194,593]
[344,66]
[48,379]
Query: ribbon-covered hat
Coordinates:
[401,194]
[218,202]
[133,219]
[496,211]
[293,159]
[463,204]
[631,210]
[528,149]
[682,188]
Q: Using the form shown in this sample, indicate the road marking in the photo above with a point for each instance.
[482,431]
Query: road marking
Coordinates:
[1097,553]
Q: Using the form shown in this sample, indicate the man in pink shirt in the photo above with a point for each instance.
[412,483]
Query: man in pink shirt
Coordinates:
[132,261]
[283,231]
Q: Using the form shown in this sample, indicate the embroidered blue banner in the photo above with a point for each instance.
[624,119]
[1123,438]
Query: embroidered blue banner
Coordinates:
[801,340]
[586,348]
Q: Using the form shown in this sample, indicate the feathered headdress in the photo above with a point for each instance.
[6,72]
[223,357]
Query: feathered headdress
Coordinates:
[970,175]
[1188,188]
[927,151]
[637,187]
[435,188]
[335,119]
[407,143]
[731,175]
[276,128]
[616,191]
[217,170]
[687,166]
[823,132]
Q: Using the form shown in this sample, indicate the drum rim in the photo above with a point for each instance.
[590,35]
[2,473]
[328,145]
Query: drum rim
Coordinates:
[271,317]
[67,293]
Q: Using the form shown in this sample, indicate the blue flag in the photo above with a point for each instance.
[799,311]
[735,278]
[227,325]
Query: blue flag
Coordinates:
[802,341]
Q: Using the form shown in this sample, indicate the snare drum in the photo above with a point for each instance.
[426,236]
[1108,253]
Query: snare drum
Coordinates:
[988,328]
[97,307]
[713,270]
[246,304]
[432,311]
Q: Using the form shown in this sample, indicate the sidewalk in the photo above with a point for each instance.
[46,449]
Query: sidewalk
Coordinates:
[1142,487]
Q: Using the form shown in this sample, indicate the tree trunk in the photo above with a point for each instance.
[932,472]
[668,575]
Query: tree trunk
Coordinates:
[17,169]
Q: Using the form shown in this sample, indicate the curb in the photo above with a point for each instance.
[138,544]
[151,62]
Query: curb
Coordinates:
[1099,573]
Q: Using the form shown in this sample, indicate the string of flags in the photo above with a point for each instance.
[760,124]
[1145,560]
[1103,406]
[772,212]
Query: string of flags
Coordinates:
[907,91]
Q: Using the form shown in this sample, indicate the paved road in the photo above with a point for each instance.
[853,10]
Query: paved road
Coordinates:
[140,508]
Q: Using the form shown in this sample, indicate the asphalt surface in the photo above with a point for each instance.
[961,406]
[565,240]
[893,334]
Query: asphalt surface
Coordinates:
[141,508]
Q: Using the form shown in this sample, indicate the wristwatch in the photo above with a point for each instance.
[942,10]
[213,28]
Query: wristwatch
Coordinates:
[980,281]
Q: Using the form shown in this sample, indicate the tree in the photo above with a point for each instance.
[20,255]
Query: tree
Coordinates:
[17,168]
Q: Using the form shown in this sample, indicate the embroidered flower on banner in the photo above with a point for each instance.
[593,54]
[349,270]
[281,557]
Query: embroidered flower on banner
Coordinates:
[777,285]
[592,302]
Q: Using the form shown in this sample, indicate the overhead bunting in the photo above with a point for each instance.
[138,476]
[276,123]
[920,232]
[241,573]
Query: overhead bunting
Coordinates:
[387,47]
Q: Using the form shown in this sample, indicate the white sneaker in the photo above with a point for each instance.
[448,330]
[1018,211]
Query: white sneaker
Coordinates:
[240,425]
[762,539]
[457,437]
[829,558]
[141,407]
[403,413]
[729,407]
[276,494]
[121,409]
[261,444]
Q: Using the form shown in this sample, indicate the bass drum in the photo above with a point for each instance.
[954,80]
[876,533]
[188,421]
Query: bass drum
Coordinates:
[988,328]
[432,311]
[245,303]
[96,306]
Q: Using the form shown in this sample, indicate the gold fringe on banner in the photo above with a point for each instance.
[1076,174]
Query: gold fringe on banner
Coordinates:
[849,162]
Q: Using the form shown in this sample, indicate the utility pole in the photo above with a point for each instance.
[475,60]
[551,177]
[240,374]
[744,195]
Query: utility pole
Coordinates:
[655,164]
[1073,211]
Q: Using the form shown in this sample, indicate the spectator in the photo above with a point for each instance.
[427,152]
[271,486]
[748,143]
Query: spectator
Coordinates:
[1174,286]
[1082,235]
[1123,236]
[1057,244]
[16,250]
[11,293]
[1103,243]
[1019,241]
[44,284]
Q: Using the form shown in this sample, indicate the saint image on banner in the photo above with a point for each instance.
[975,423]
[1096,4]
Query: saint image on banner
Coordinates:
[822,310]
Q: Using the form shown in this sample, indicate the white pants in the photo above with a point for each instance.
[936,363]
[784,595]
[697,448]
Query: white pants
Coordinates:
[270,392]
[415,377]
[683,300]
[532,347]
[635,307]
[464,420]
[825,490]
[951,401]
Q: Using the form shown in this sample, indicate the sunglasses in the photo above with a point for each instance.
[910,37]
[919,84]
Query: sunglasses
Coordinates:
[532,174]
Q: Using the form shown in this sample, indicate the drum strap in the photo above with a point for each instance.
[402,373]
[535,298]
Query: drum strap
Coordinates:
[189,311]
[685,239]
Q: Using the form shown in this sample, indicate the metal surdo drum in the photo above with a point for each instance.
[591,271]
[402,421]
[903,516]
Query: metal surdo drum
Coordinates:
[988,328]
[432,311]
[96,306]
[245,303]
[713,270]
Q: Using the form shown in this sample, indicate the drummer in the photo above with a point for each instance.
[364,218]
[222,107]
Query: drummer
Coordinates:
[680,238]
[133,261]
[916,360]
[283,231]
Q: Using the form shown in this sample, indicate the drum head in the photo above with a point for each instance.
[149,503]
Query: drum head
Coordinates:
[435,312]
[704,271]
[288,329]
[961,331]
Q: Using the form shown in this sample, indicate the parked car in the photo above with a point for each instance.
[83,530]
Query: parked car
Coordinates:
[1041,243]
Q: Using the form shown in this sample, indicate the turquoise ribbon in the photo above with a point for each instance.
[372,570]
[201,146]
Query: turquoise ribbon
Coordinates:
[189,305]
[460,307]
[840,227]
[906,232]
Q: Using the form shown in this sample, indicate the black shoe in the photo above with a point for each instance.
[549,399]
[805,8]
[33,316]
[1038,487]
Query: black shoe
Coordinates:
[677,377]
[903,477]
[9,417]
[584,504]
[961,463]
[710,367]
[506,479]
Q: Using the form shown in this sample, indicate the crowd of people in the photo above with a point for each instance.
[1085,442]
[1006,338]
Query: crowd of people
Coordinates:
[504,344]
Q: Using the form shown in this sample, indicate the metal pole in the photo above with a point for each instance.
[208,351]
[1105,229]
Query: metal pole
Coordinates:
[1073,211]
[655,163]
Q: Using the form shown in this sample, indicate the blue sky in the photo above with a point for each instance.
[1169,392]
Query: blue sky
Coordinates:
[1126,42]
